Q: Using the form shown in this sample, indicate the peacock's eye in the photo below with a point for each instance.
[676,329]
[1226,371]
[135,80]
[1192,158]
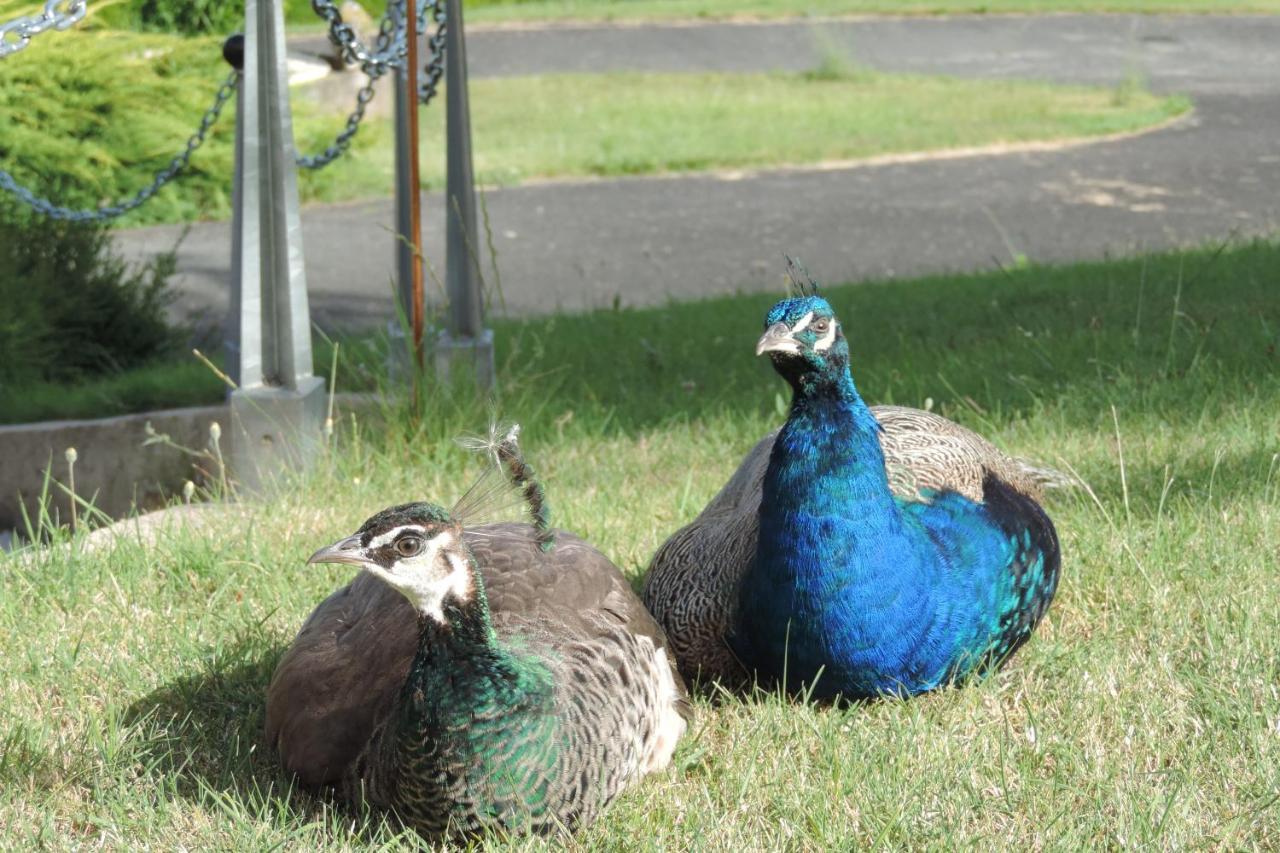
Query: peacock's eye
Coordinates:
[408,546]
[820,326]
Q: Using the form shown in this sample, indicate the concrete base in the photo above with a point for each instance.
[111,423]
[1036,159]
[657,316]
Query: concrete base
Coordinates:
[274,430]
[458,357]
[117,468]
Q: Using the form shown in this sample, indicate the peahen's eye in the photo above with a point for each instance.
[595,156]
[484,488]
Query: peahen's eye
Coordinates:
[408,546]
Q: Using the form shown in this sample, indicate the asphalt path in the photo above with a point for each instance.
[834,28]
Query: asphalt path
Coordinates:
[643,241]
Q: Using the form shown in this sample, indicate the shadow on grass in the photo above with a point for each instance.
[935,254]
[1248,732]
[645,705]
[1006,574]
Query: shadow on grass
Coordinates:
[202,734]
[1171,337]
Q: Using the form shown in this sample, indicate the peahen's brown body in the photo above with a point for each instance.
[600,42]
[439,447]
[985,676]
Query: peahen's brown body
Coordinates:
[605,707]
[693,579]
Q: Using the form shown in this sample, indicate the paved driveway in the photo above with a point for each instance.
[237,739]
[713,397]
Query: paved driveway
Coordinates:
[642,241]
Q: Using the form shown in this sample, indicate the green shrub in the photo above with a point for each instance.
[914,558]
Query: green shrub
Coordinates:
[103,112]
[195,17]
[73,309]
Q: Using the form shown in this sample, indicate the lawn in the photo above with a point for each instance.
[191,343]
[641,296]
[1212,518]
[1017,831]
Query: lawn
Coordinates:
[551,10]
[94,115]
[501,12]
[1145,713]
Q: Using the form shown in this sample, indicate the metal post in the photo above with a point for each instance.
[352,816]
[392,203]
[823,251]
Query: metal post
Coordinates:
[278,411]
[466,340]
[406,262]
[233,53]
[415,196]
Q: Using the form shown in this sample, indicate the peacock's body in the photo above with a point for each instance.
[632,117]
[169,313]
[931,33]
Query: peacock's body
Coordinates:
[876,551]
[475,679]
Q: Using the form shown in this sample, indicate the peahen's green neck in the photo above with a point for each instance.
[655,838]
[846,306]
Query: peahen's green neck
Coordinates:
[473,707]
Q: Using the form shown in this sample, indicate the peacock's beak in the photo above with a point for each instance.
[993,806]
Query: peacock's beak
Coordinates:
[777,338]
[346,551]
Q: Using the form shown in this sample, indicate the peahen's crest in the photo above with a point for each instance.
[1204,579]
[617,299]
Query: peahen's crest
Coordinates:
[517,483]
[799,282]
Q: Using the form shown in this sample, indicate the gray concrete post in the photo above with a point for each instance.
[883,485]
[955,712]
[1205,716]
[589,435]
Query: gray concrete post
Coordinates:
[277,413]
[466,341]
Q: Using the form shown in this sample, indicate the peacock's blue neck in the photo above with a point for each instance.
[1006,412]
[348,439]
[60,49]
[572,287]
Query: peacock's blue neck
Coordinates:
[835,569]
[827,462]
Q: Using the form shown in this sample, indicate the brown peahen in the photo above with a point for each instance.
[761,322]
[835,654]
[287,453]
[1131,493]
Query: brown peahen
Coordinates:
[498,677]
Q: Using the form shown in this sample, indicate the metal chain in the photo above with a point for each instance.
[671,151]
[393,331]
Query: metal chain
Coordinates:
[57,15]
[386,54]
[343,140]
[176,165]
[434,71]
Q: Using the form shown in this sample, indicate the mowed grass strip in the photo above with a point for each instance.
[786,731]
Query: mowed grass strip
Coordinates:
[615,124]
[1144,713]
[94,115]
[679,10]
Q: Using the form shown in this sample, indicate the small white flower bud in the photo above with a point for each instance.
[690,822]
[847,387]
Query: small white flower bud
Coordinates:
[188,490]
[215,430]
[71,455]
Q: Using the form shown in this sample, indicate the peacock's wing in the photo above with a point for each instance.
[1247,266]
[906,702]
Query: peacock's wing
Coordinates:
[925,451]
[343,673]
[692,581]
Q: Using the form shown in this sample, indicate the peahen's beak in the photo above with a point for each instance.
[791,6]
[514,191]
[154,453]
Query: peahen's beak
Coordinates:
[777,338]
[346,551]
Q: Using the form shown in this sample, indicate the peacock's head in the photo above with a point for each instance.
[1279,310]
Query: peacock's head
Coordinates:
[415,548]
[803,339]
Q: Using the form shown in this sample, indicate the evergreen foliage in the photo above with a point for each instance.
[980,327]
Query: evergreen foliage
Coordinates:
[74,309]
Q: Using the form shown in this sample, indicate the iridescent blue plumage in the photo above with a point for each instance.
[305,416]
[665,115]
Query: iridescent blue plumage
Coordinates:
[879,594]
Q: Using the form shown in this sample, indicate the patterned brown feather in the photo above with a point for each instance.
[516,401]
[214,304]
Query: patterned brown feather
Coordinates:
[341,678]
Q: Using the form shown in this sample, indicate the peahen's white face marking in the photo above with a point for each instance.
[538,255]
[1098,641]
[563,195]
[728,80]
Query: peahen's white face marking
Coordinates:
[425,566]
[426,578]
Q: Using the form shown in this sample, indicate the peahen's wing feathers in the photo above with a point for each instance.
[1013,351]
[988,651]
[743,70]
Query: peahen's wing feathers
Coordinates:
[342,675]
[691,583]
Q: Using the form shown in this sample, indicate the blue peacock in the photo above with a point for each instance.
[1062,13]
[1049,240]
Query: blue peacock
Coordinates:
[856,586]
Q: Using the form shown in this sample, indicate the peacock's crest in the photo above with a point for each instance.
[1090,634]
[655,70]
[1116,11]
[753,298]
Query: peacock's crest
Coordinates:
[799,282]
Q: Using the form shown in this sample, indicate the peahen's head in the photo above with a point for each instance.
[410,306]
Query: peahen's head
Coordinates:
[805,343]
[415,548]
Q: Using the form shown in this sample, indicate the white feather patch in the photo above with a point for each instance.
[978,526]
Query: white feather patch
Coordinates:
[824,343]
[427,578]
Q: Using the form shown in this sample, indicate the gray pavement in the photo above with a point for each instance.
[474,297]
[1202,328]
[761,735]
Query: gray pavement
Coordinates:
[643,241]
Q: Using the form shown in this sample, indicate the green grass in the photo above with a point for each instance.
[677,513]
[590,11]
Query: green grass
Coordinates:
[629,123]
[657,10]
[102,112]
[174,383]
[1145,713]
[167,385]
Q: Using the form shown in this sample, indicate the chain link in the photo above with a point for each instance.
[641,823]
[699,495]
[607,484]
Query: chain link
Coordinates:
[57,15]
[389,47]
[343,140]
[433,71]
[176,165]
[389,53]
